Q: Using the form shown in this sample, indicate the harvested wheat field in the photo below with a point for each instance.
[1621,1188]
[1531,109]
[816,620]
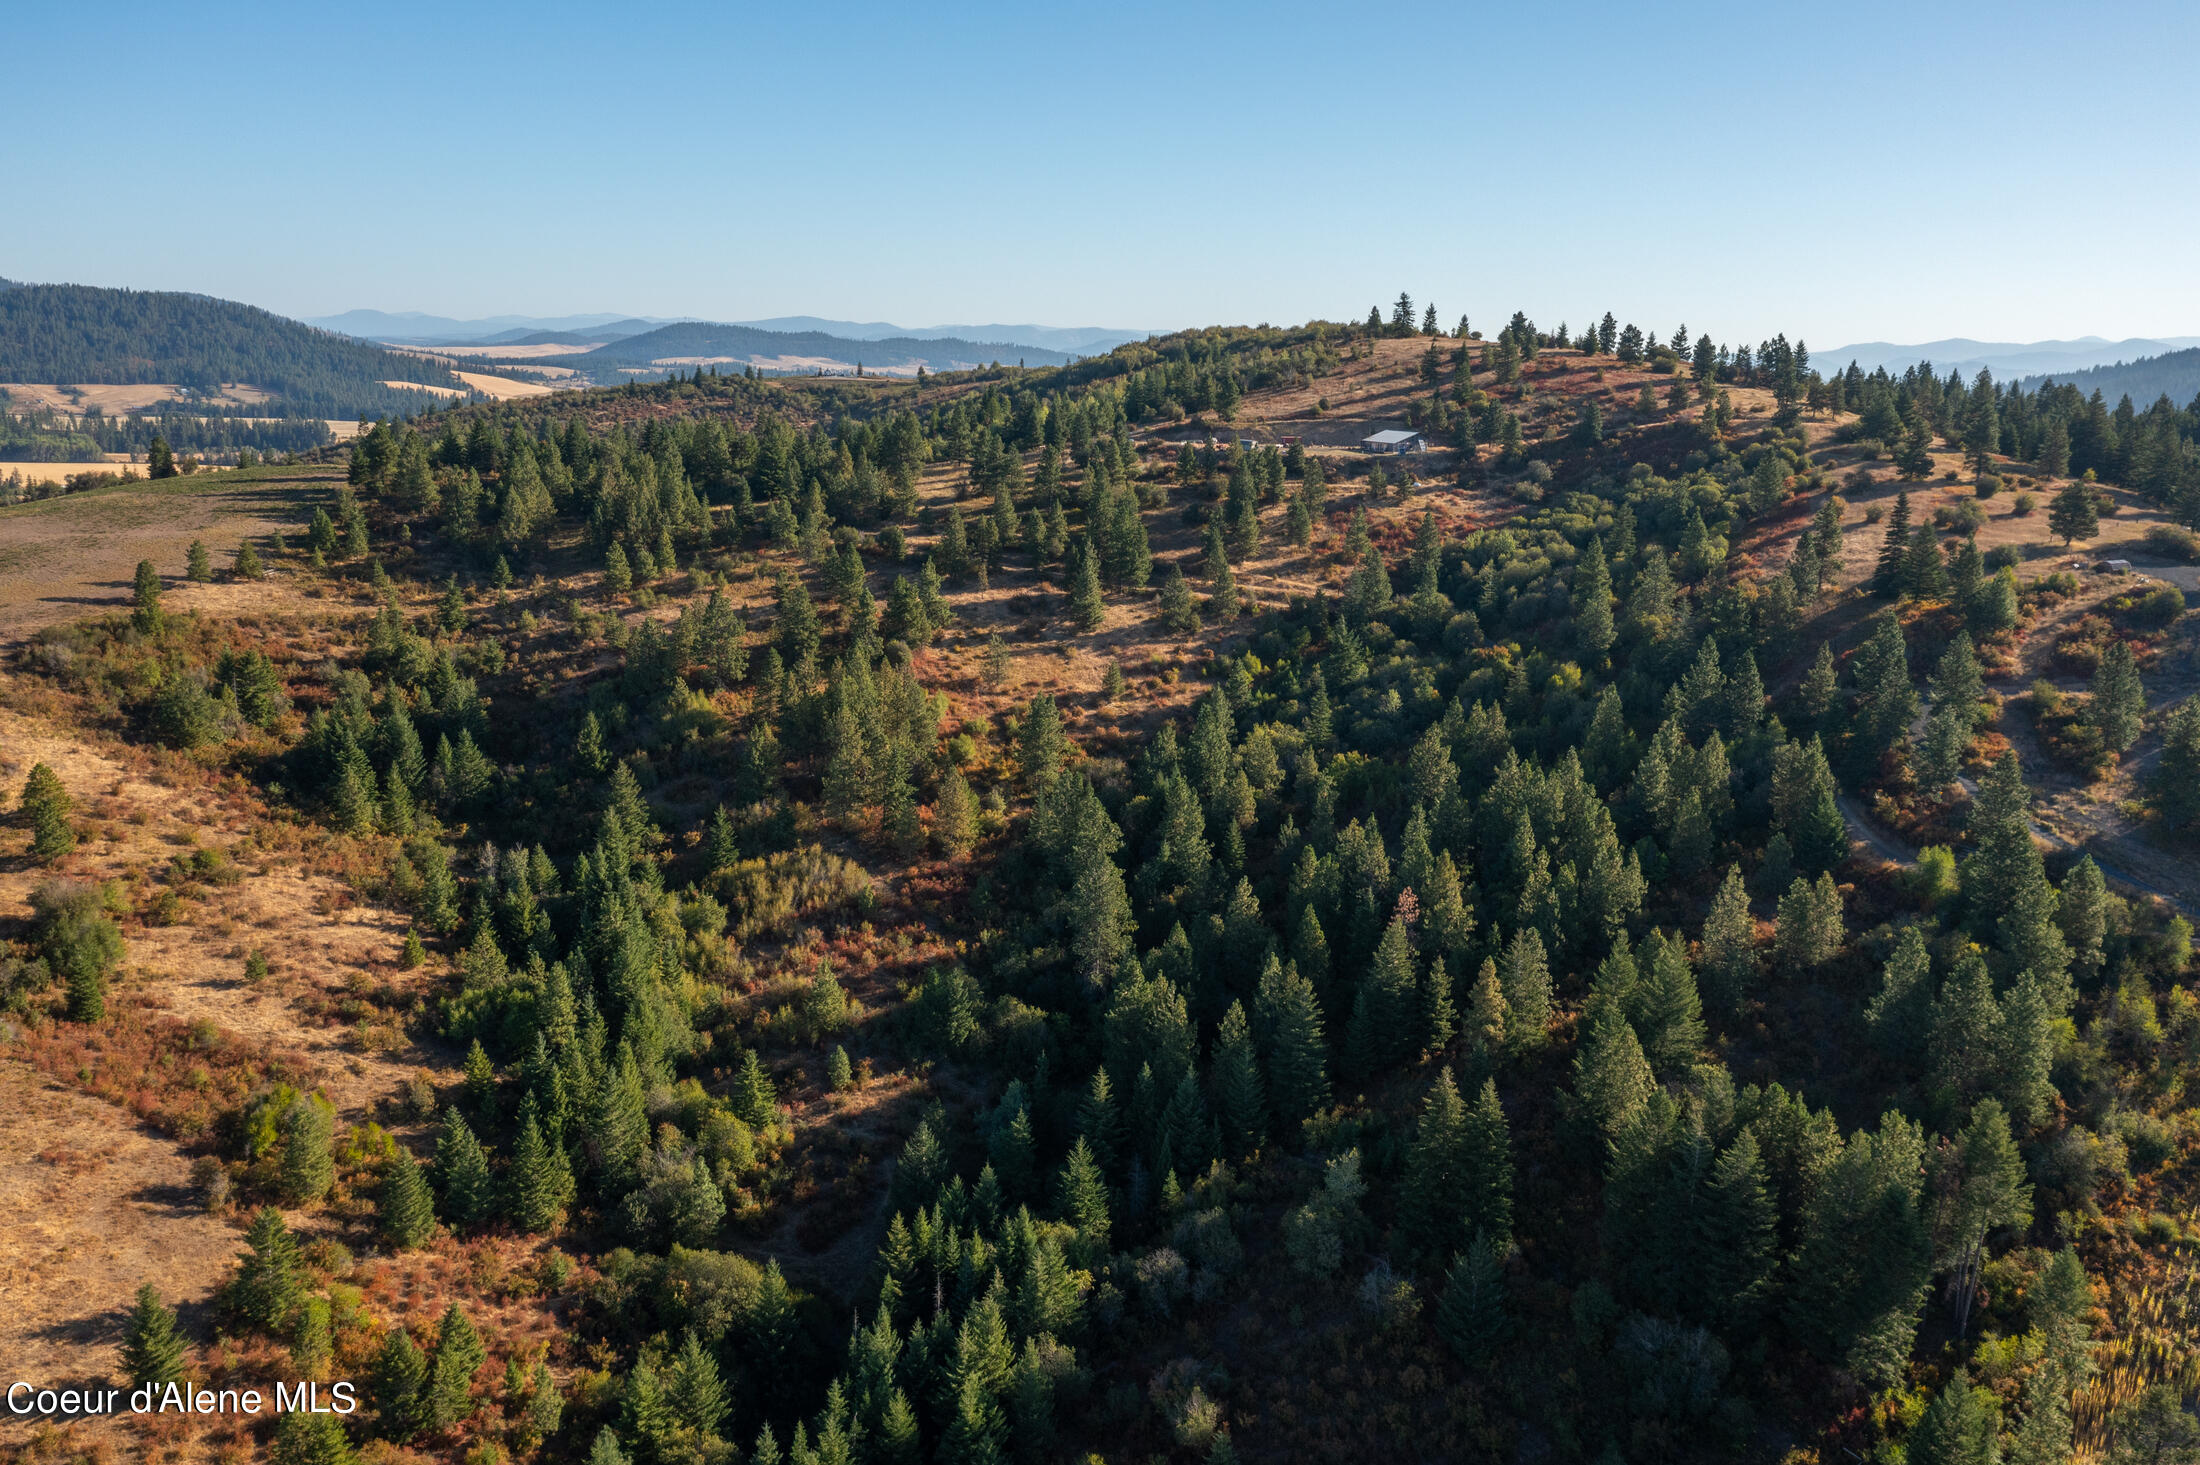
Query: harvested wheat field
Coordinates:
[503,388]
[62,472]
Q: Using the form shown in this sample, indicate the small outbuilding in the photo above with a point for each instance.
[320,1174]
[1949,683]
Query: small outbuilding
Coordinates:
[1392,440]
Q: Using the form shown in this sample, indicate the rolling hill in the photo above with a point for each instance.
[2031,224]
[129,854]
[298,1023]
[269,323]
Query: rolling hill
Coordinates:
[86,335]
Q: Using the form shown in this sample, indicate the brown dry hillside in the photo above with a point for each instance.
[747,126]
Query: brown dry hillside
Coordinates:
[102,1128]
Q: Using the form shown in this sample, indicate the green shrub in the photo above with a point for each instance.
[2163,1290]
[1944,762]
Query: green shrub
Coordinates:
[2172,542]
[2158,607]
[80,942]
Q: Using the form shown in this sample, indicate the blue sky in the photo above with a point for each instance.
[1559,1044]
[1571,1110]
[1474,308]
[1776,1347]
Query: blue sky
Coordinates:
[1847,173]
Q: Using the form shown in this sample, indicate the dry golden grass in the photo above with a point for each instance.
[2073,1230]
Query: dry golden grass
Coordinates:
[96,1205]
[503,388]
[58,472]
[64,558]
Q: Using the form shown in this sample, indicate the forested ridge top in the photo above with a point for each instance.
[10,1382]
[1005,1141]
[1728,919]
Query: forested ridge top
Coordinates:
[1208,951]
[2173,374]
[87,334]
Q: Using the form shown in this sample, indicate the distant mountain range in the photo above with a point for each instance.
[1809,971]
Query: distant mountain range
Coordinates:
[1077,340]
[412,328]
[2005,359]
[691,343]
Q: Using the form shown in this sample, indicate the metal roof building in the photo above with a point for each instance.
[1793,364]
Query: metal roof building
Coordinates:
[1392,440]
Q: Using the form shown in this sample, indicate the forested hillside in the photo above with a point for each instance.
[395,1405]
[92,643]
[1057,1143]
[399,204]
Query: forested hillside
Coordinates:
[994,921]
[2175,375]
[81,334]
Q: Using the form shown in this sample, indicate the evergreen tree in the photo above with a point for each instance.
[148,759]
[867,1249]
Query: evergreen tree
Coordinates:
[406,1210]
[462,1172]
[1429,1205]
[1382,1027]
[400,1375]
[1287,1011]
[1809,925]
[2081,913]
[1983,1190]
[266,1291]
[1612,1078]
[145,614]
[1966,1034]
[1885,701]
[1814,699]
[1040,745]
[309,1161]
[1729,953]
[152,1352]
[1525,975]
[2118,703]
[305,1438]
[1471,1317]
[2174,790]
[1082,1194]
[1863,1257]
[1240,1103]
[1960,1427]
[1098,1124]
[1898,1016]
[2005,882]
[1221,585]
[2073,514]
[1485,1167]
[1667,1009]
[448,1395]
[1739,1236]
[1887,578]
[46,806]
[540,1182]
[1086,607]
[752,1097]
[1179,613]
[694,1390]
[954,814]
[2045,1437]
[1593,601]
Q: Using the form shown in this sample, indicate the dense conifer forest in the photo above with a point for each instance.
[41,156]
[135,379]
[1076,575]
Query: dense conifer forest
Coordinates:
[1438,1012]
